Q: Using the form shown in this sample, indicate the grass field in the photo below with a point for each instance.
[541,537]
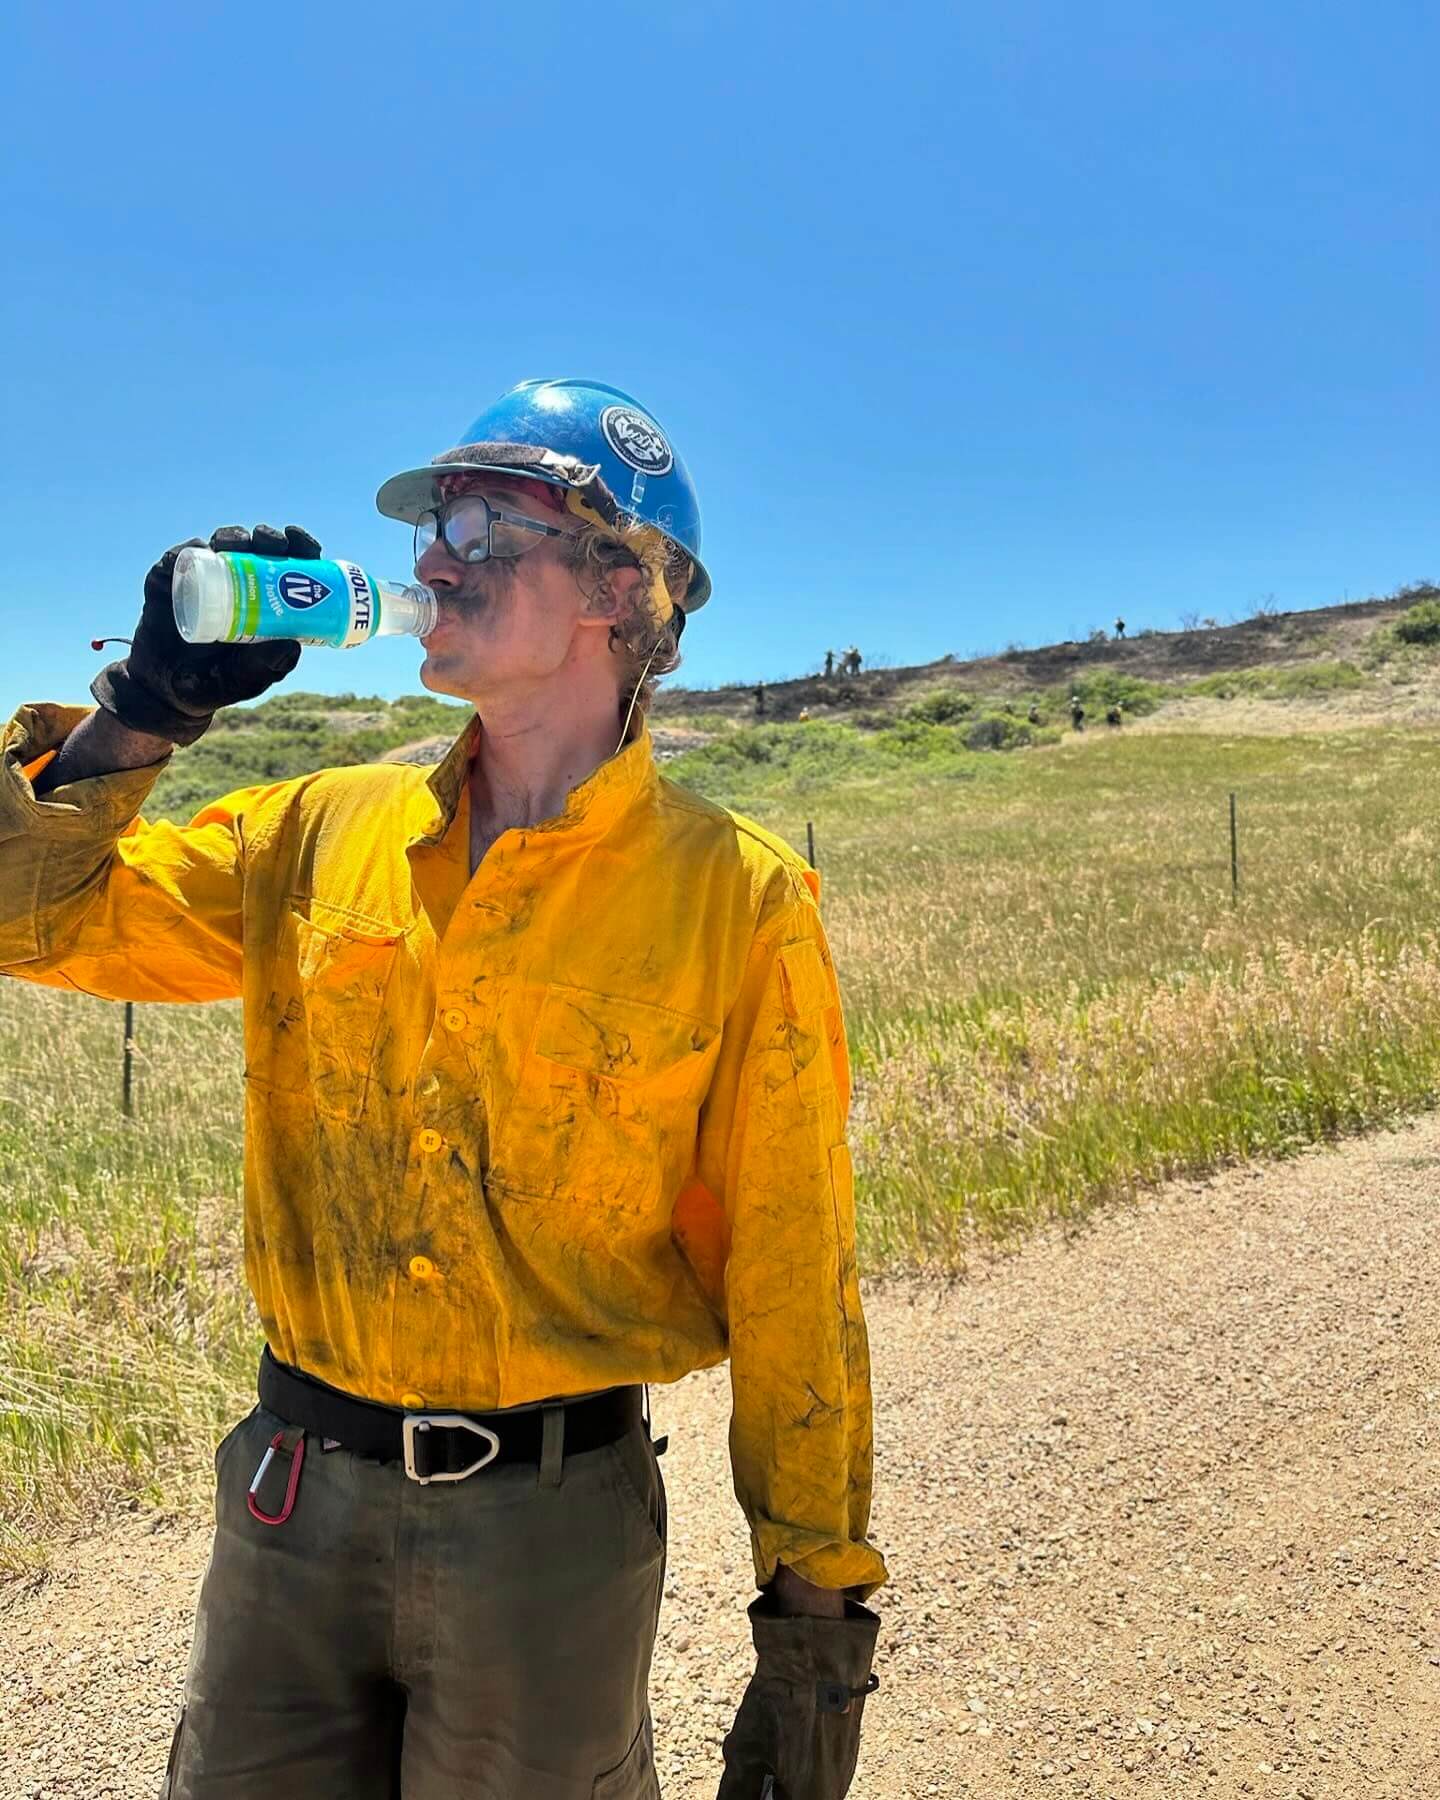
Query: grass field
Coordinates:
[1051,1000]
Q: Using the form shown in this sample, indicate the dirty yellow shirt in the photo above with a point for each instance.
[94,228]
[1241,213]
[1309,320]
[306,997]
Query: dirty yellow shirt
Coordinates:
[573,1122]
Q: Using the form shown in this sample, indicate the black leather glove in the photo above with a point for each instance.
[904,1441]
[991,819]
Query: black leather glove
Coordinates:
[172,689]
[798,1727]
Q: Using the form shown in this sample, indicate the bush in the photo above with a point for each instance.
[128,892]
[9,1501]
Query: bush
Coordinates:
[1421,624]
[997,731]
[943,707]
[1100,689]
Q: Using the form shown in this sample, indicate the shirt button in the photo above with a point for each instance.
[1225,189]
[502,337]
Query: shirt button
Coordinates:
[421,1267]
[412,1402]
[429,1140]
[454,1018]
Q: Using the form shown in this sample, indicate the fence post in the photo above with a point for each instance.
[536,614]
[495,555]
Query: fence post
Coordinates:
[127,1082]
[810,840]
[1234,857]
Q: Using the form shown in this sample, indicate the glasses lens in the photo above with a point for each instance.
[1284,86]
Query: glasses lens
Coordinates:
[426,530]
[513,534]
[467,527]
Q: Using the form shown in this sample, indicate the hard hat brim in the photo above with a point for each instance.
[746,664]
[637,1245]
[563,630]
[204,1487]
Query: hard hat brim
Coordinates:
[415,491]
[406,496]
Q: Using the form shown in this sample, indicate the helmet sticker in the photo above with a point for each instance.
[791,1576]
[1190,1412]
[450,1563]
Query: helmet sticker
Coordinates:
[637,440]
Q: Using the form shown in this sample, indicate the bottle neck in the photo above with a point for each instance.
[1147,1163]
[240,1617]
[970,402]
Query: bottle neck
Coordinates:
[407,609]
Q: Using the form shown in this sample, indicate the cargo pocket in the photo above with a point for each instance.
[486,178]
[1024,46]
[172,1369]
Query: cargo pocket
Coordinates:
[345,965]
[605,1086]
[633,1779]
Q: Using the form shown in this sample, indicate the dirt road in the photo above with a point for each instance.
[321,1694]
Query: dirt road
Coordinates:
[1160,1503]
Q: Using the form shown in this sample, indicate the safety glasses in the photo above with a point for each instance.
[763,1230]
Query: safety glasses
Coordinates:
[473,530]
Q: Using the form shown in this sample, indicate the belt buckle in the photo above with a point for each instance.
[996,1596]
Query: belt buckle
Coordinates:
[413,1423]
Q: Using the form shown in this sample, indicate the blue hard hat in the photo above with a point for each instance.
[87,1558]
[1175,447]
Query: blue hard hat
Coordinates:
[574,434]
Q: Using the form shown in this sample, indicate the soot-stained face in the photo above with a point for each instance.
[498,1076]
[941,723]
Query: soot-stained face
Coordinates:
[509,620]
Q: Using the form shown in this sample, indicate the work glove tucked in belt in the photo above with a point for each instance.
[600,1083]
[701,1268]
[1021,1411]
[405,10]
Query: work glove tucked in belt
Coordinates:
[171,689]
[799,1723]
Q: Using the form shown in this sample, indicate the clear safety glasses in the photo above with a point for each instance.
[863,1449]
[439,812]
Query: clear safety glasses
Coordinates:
[473,530]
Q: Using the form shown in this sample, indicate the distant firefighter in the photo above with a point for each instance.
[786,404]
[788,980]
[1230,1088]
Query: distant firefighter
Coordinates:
[1077,713]
[759,699]
[1033,715]
[829,664]
[1119,628]
[850,663]
[1113,716]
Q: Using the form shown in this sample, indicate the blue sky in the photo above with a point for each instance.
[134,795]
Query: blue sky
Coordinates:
[974,324]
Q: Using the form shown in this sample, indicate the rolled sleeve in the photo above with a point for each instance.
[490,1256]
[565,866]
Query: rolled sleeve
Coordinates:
[773,1146]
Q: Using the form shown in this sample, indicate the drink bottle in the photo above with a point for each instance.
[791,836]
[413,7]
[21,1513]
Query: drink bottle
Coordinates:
[225,596]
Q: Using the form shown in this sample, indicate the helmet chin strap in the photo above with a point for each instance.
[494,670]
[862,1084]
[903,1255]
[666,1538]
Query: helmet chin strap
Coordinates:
[630,710]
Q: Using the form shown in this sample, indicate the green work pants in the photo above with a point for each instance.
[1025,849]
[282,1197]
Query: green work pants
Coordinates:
[488,1639]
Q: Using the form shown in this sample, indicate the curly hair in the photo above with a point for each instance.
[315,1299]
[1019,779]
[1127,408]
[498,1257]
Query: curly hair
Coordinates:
[648,646]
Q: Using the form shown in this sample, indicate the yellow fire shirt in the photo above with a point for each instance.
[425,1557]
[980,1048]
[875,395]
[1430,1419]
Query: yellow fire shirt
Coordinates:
[574,1122]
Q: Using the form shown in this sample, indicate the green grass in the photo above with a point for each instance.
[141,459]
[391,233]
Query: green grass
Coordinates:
[1051,1000]
[1301,682]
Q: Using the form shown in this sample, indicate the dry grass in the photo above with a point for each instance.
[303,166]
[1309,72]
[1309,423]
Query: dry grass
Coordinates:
[1051,997]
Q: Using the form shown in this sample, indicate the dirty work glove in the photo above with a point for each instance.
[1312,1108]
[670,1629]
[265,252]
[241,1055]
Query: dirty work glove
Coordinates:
[172,689]
[798,1728]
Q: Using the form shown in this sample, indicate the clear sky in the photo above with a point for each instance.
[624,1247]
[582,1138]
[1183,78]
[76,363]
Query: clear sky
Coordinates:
[975,324]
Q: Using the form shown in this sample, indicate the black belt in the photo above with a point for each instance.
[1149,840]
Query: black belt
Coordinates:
[441,1446]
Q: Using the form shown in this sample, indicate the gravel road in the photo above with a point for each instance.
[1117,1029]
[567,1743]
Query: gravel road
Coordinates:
[1159,1500]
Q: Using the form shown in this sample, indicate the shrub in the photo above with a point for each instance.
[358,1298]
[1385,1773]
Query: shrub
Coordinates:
[997,731]
[1421,624]
[1100,689]
[943,707]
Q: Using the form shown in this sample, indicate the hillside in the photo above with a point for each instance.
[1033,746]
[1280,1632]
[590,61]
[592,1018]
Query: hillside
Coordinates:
[1266,645]
[1331,667]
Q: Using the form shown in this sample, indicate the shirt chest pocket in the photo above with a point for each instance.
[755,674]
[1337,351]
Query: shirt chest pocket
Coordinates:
[344,968]
[605,1102]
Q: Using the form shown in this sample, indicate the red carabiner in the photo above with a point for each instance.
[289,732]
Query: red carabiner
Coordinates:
[297,1458]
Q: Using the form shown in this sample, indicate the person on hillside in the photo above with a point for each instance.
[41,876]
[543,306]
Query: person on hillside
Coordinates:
[1114,717]
[1119,628]
[1077,713]
[829,664]
[546,1097]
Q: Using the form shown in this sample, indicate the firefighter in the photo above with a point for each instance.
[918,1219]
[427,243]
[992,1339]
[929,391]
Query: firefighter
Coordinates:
[546,1091]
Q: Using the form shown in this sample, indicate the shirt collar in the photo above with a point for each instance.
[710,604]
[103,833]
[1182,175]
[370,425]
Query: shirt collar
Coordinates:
[591,809]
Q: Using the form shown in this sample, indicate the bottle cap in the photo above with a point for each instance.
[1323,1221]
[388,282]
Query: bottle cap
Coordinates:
[204,603]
